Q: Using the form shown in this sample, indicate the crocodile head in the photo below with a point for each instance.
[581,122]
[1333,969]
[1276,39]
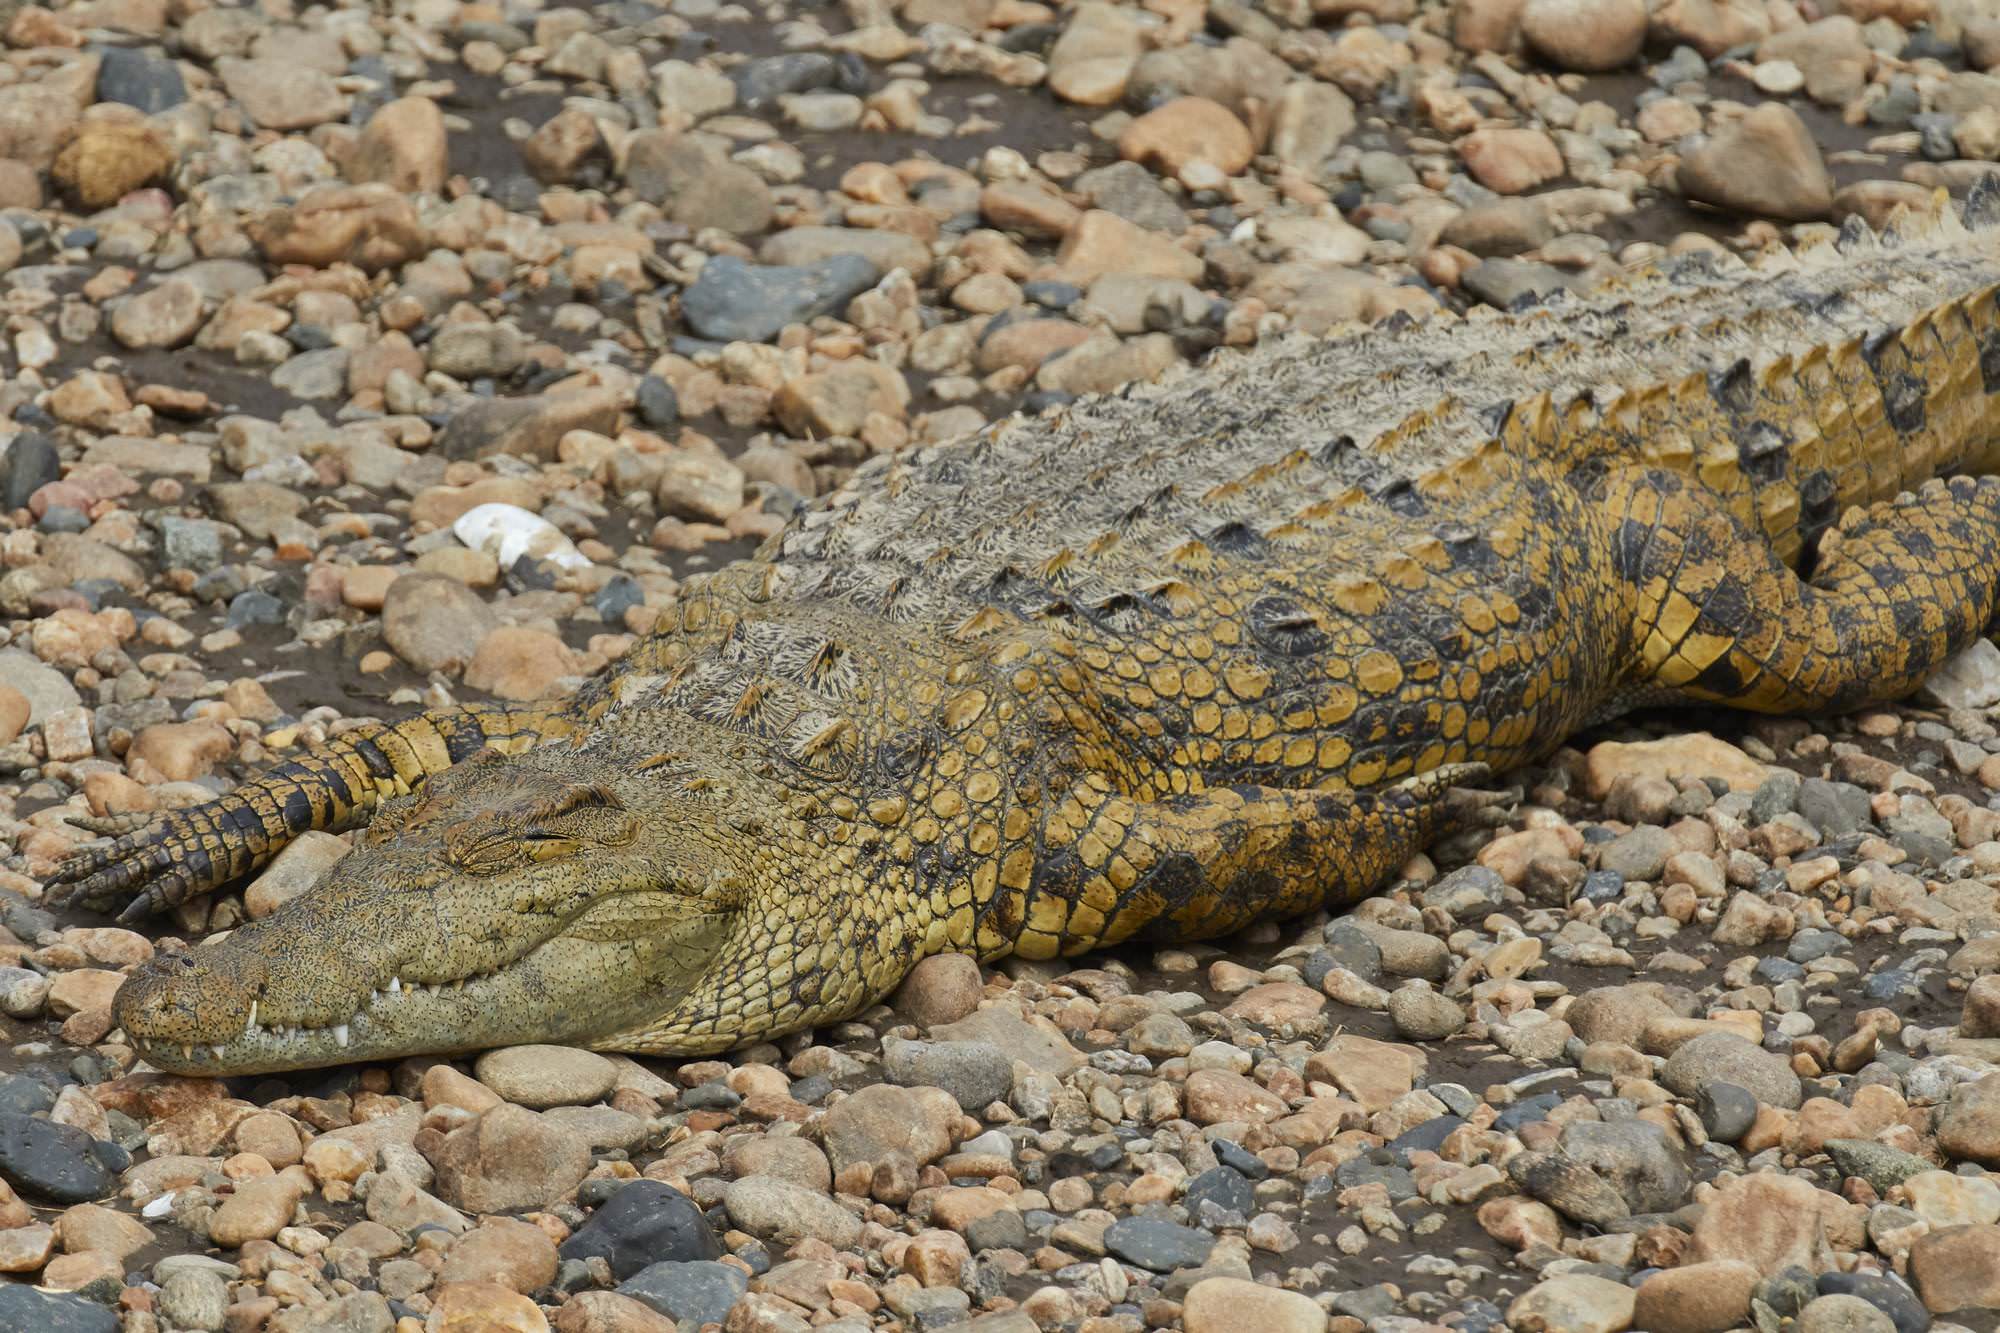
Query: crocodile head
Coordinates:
[510,901]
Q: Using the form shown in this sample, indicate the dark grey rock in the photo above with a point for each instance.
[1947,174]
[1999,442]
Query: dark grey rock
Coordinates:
[1810,944]
[1885,1293]
[1157,1244]
[1641,854]
[620,593]
[1006,1229]
[1222,1187]
[1877,1163]
[1726,1111]
[22,1095]
[1365,1171]
[1786,1291]
[27,464]
[51,1161]
[659,406]
[1836,809]
[759,81]
[26,1308]
[1777,795]
[1240,1159]
[696,1291]
[1051,294]
[1636,1157]
[1569,1187]
[734,301]
[1346,946]
[1922,832]
[255,607]
[148,82]
[648,1221]
[1427,1137]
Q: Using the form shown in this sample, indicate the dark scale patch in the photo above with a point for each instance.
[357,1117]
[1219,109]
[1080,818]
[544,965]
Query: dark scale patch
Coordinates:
[901,754]
[1409,721]
[1447,636]
[298,809]
[1726,608]
[1400,497]
[1982,204]
[1534,599]
[1722,677]
[1989,359]
[1903,394]
[1334,453]
[1632,541]
[371,755]
[1238,538]
[1287,627]
[1469,550]
[1734,387]
[1761,449]
[1854,235]
[1177,879]
[1909,616]
[462,739]
[1818,493]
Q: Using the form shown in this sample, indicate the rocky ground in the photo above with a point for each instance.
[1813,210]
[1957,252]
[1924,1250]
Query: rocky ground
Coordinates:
[360,359]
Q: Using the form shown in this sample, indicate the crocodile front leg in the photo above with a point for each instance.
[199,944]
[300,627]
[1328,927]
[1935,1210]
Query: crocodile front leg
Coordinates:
[179,854]
[1204,865]
[1899,587]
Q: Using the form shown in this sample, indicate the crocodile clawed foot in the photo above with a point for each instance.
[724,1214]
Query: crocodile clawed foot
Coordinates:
[138,867]
[1464,804]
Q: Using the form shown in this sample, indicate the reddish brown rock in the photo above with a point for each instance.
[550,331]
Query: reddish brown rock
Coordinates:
[370,226]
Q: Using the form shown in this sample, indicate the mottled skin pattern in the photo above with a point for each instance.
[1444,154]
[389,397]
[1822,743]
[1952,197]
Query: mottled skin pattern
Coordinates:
[1230,645]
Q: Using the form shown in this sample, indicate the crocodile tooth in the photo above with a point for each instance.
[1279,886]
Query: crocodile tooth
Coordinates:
[395,985]
[216,1051]
[253,1017]
[340,1034]
[187,1051]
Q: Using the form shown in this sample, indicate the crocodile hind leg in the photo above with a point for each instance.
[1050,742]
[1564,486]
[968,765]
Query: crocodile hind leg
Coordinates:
[178,854]
[1897,588]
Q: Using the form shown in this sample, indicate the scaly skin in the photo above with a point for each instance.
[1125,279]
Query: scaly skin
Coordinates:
[1227,646]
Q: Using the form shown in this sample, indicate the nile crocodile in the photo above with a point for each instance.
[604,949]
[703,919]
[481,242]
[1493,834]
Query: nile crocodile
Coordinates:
[1151,665]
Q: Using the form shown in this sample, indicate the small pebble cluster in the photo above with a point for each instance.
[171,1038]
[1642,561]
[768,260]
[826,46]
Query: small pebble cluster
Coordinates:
[362,359]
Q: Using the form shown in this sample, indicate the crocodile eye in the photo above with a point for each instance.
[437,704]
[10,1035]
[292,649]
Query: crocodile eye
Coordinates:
[486,853]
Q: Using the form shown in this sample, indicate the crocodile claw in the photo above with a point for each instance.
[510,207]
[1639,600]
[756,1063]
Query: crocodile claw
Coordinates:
[149,865]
